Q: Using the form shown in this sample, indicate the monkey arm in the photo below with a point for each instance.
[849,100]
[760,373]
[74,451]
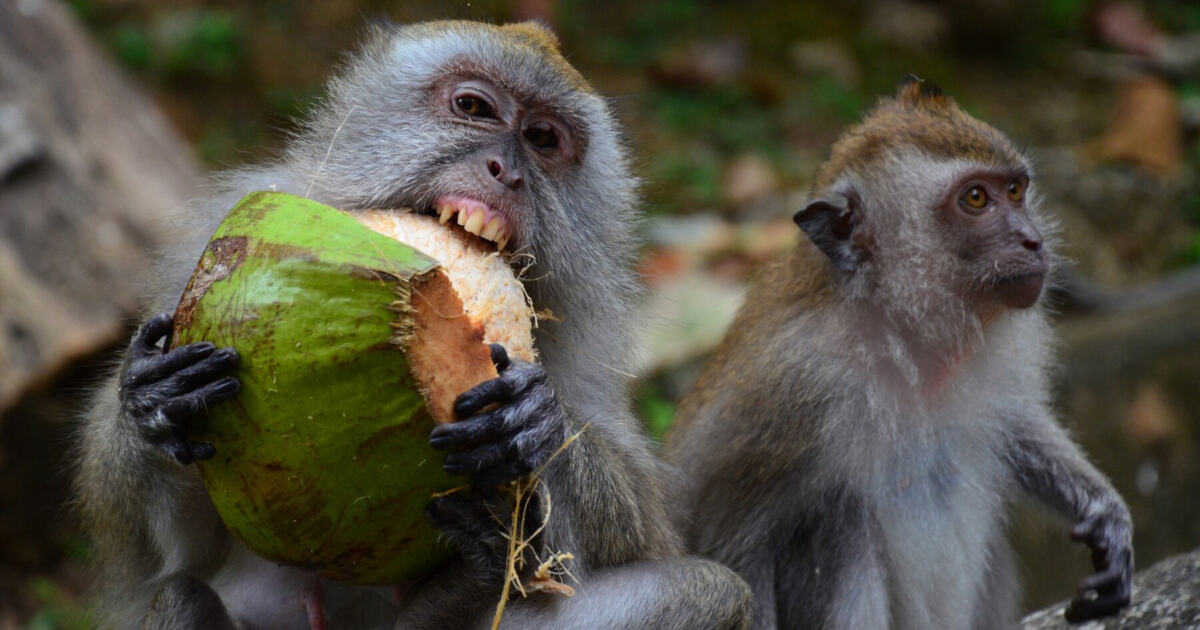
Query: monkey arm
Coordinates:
[1052,469]
[608,504]
[148,515]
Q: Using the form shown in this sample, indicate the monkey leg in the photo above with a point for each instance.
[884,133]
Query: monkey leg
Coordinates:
[674,594]
[185,603]
[681,593]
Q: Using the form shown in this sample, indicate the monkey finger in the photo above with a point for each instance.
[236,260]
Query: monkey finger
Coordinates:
[491,391]
[444,517]
[201,450]
[1104,581]
[461,519]
[198,401]
[175,445]
[466,433]
[505,473]
[473,461]
[154,368]
[1085,609]
[475,534]
[499,357]
[1101,558]
[201,372]
[145,341]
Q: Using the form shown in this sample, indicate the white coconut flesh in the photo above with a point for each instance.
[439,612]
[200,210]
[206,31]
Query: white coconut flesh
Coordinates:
[491,294]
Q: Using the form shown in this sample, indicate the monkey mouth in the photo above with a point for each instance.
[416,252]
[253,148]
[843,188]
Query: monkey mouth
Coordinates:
[1020,290]
[474,216]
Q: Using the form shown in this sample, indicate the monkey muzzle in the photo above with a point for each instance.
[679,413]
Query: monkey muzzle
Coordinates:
[1022,289]
[475,217]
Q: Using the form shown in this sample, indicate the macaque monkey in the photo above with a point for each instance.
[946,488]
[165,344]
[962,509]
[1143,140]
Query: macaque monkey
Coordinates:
[881,396]
[448,118]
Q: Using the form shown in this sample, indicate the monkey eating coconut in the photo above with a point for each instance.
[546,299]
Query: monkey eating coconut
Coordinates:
[357,333]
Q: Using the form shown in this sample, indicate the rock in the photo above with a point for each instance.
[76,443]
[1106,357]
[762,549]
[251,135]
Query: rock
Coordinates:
[1166,595]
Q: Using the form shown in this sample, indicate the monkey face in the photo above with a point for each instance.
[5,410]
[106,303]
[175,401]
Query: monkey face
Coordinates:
[516,149]
[486,125]
[995,238]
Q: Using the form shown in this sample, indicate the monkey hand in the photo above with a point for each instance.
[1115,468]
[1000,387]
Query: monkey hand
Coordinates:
[1108,533]
[160,390]
[474,521]
[510,440]
[524,425]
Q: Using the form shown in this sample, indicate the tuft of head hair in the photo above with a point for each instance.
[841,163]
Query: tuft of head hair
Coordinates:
[540,38]
[920,117]
[530,39]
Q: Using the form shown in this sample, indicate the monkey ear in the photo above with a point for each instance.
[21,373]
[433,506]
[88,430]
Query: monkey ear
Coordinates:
[833,225]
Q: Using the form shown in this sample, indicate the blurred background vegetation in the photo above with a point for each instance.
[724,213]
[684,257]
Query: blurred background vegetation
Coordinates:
[729,108]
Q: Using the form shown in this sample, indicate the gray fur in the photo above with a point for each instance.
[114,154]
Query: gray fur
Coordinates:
[371,144]
[851,447]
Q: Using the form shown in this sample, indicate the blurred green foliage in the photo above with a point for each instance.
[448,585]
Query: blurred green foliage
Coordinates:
[195,43]
[59,610]
[202,42]
[1182,15]
[656,408]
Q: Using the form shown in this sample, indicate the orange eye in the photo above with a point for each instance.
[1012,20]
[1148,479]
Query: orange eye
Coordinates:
[1016,191]
[976,198]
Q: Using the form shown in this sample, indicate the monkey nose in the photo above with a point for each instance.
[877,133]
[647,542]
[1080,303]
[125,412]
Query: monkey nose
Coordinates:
[1024,231]
[509,177]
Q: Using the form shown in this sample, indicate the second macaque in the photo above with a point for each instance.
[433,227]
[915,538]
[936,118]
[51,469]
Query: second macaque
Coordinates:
[883,394]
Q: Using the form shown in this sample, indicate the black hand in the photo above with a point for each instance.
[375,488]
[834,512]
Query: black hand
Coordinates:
[512,439]
[476,522]
[162,390]
[1109,589]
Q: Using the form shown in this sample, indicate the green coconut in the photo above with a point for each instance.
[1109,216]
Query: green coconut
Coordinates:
[353,344]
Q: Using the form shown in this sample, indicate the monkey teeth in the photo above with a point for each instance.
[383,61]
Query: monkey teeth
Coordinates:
[476,218]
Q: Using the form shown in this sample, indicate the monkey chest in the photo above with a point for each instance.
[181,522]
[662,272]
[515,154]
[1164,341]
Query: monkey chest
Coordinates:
[935,521]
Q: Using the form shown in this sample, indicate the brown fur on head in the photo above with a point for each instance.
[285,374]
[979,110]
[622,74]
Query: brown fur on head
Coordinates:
[530,38]
[919,116]
[885,211]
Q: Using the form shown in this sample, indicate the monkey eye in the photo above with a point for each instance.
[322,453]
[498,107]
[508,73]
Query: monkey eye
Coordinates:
[975,198]
[541,135]
[474,106]
[1016,191]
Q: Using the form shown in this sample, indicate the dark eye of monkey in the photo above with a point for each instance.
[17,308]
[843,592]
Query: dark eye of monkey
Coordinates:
[541,136]
[474,106]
